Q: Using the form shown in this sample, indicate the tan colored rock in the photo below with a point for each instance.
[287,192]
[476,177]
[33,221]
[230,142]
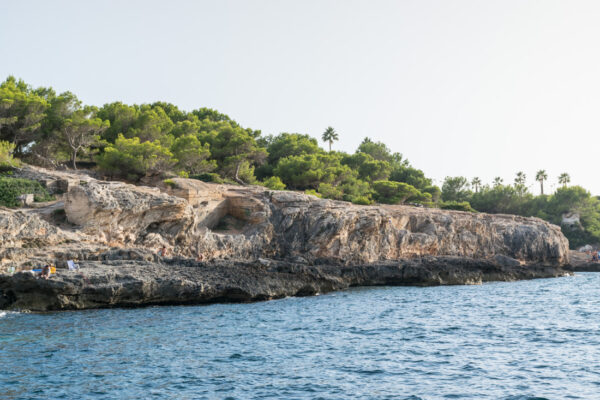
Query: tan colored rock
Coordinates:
[223,221]
[121,212]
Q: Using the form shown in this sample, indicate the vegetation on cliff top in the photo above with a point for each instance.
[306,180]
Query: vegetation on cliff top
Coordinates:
[130,142]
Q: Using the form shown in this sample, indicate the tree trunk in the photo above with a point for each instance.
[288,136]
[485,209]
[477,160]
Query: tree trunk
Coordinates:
[236,177]
[542,187]
[330,146]
[73,158]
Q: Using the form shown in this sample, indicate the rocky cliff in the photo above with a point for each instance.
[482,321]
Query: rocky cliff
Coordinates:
[230,228]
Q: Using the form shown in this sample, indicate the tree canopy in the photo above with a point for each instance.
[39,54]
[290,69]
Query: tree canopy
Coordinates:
[134,141]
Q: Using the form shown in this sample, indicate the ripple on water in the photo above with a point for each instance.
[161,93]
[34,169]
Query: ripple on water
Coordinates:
[524,340]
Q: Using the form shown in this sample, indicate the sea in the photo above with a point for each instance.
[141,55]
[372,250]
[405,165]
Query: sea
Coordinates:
[537,339]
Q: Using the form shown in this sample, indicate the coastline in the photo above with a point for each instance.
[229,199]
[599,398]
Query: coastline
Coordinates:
[138,283]
[258,244]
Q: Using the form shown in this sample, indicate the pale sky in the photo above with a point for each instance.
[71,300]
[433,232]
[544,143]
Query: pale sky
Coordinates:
[473,88]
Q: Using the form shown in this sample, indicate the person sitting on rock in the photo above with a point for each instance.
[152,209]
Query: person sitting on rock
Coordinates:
[45,272]
[162,251]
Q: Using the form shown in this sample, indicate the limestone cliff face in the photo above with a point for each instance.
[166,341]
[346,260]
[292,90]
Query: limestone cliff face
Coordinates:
[20,229]
[255,244]
[357,234]
[227,221]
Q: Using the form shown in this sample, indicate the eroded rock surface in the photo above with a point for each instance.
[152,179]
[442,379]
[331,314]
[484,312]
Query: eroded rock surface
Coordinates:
[131,283]
[224,224]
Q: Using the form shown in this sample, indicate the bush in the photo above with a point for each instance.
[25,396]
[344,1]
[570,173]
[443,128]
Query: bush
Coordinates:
[457,205]
[274,183]
[312,192]
[170,183]
[329,191]
[7,161]
[361,200]
[11,188]
[208,177]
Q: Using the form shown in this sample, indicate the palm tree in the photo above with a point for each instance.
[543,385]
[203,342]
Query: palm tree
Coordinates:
[520,181]
[541,176]
[329,136]
[498,181]
[564,179]
[476,183]
[520,178]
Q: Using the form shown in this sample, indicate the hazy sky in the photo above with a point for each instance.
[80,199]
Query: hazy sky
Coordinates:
[474,88]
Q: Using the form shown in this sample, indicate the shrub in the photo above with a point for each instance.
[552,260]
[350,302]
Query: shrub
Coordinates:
[170,183]
[312,192]
[329,191]
[274,183]
[457,205]
[208,177]
[362,200]
[7,161]
[11,188]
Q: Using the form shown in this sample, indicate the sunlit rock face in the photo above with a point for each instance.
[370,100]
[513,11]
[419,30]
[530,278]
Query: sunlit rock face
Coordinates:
[241,222]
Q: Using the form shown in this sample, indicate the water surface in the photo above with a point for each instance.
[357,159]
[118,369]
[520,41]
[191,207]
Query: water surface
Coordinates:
[520,340]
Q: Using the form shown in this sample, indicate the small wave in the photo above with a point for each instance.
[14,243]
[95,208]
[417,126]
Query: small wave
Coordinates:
[5,313]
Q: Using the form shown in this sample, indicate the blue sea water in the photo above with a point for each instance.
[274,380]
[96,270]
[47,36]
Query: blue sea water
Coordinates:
[535,339]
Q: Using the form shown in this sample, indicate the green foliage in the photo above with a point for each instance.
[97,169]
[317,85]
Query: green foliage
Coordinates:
[170,183]
[80,131]
[403,172]
[236,152]
[362,200]
[22,110]
[290,144]
[567,200]
[456,189]
[132,159]
[499,199]
[274,183]
[11,188]
[313,192]
[434,191]
[208,177]
[310,170]
[390,192]
[192,155]
[356,190]
[328,191]
[377,150]
[455,205]
[6,158]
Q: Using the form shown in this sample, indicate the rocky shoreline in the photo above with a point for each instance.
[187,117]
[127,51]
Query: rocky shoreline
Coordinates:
[255,243]
[135,283]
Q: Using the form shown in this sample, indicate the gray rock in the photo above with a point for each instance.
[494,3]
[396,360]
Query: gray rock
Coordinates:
[173,281]
[304,245]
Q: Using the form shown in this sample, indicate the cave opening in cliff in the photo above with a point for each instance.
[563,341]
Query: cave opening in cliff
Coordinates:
[226,218]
